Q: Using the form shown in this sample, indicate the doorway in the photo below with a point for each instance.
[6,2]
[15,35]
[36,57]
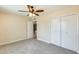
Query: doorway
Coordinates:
[35,29]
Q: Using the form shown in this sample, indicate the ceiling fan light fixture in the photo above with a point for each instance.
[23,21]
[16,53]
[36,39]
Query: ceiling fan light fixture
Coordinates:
[31,15]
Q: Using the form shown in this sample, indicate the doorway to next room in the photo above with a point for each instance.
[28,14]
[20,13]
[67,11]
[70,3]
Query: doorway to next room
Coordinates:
[35,29]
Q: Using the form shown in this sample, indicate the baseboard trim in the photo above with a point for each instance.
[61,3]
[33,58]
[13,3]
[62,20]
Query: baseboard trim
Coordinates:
[6,42]
[77,52]
[43,40]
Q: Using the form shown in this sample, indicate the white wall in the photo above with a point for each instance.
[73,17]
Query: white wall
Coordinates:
[12,27]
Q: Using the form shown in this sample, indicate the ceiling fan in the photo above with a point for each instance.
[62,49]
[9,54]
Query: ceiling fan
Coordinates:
[32,10]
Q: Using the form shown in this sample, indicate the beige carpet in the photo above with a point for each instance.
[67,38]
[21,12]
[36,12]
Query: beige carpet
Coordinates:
[33,46]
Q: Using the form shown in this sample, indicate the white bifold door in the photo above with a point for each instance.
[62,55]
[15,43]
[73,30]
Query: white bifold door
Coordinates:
[64,31]
[69,32]
[55,31]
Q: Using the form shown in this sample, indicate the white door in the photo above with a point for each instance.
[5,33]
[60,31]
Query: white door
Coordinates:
[78,31]
[69,32]
[55,31]
[29,29]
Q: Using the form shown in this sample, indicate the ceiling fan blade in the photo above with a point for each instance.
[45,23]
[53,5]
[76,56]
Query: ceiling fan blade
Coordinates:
[36,14]
[22,11]
[28,6]
[31,8]
[39,11]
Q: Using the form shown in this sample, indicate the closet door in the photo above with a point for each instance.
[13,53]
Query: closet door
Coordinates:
[69,32]
[55,31]
[78,31]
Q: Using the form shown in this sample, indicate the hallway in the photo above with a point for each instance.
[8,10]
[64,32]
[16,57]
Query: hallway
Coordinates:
[33,46]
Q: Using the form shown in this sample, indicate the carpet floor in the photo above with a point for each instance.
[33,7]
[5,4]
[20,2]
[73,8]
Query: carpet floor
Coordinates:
[33,46]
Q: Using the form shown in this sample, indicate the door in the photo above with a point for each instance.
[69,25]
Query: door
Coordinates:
[35,29]
[69,32]
[55,31]
[29,29]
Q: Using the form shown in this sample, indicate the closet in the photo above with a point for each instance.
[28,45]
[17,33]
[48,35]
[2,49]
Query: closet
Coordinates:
[69,32]
[55,31]
[64,31]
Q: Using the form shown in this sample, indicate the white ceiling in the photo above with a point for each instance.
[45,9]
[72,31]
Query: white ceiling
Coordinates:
[47,8]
